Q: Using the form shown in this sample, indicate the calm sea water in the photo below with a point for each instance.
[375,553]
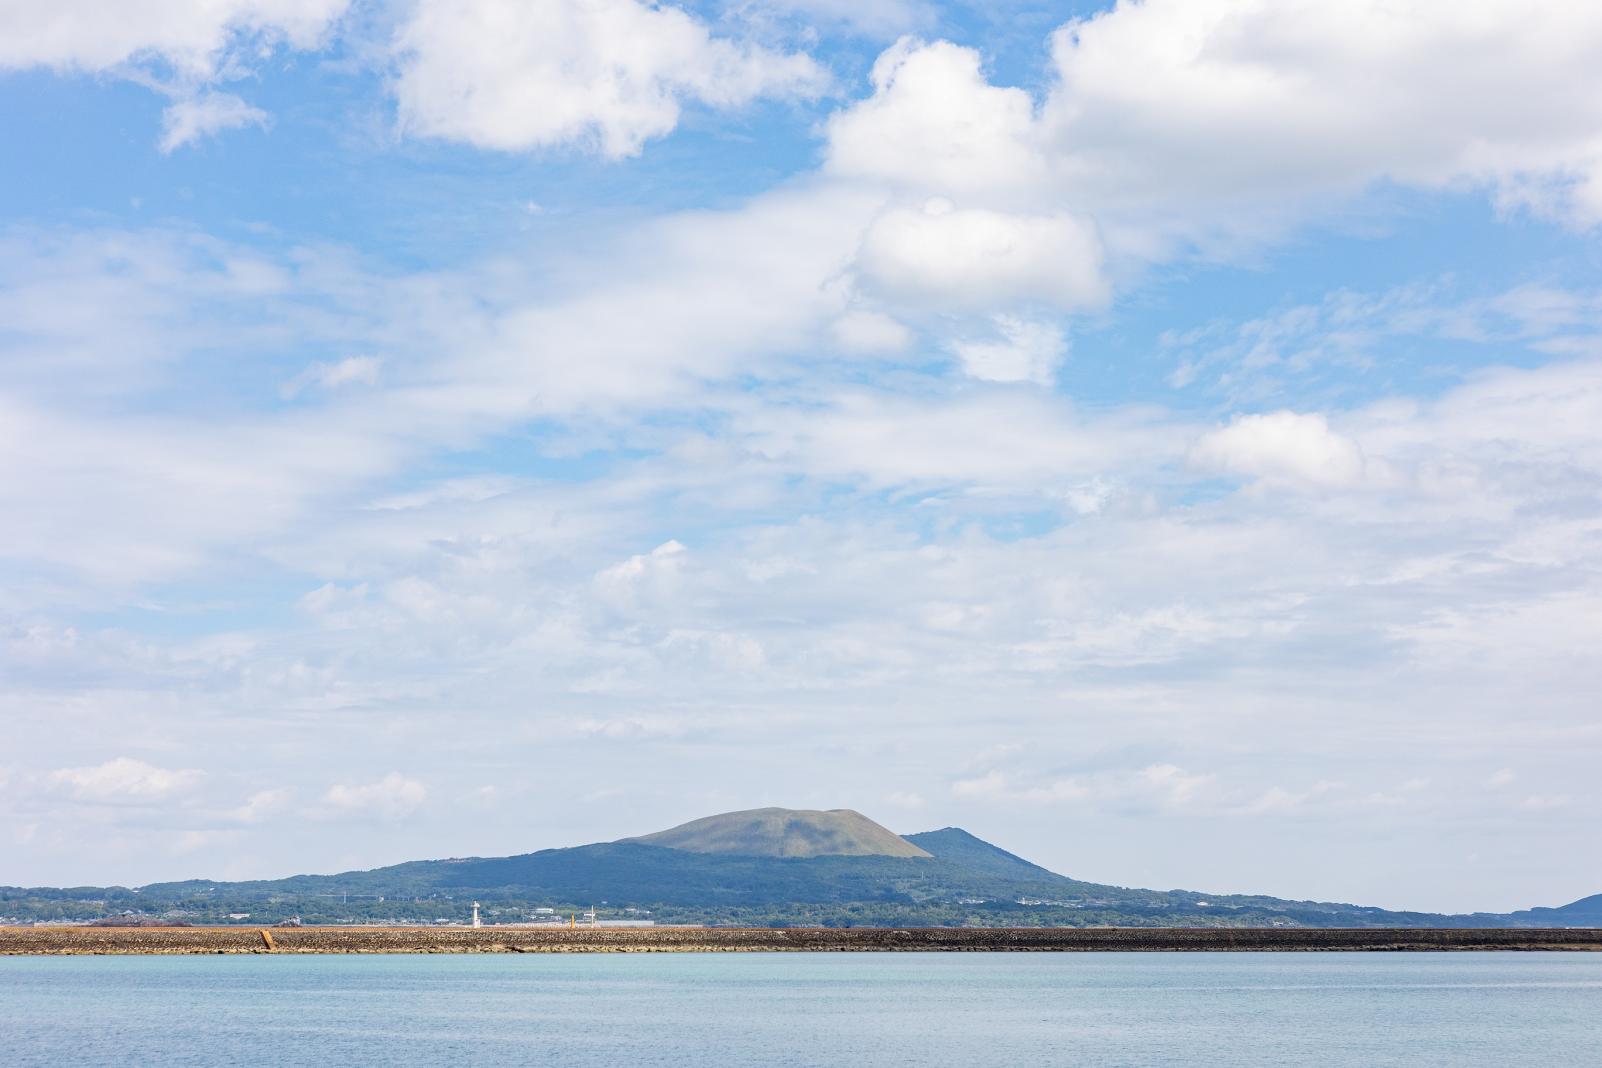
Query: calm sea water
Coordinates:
[1091,1009]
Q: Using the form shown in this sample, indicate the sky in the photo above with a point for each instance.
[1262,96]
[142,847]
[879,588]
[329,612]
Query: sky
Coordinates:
[1160,438]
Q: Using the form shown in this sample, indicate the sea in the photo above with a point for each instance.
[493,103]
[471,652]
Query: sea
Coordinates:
[857,1009]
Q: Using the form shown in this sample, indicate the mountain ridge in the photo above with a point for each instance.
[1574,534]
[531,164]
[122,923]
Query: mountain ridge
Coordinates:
[945,877]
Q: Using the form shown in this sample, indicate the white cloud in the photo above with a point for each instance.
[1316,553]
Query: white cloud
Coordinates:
[1088,498]
[191,35]
[1017,441]
[1276,800]
[1216,125]
[996,786]
[651,317]
[1194,102]
[1166,786]
[261,805]
[1282,447]
[97,315]
[125,779]
[934,123]
[1187,622]
[609,74]
[953,258]
[869,332]
[1027,352]
[859,563]
[180,47]
[391,797]
[189,120]
[188,497]
[645,575]
[910,800]
[1172,783]
[719,650]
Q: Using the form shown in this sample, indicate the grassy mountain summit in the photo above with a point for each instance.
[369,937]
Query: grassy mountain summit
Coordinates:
[785,832]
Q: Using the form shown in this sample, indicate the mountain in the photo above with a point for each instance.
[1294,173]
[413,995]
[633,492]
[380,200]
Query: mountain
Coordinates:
[785,832]
[763,867]
[1586,912]
[959,848]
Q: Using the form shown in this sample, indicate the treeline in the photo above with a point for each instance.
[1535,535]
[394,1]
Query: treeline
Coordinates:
[207,909]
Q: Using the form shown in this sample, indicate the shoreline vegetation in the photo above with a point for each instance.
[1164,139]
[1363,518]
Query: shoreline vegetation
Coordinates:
[80,940]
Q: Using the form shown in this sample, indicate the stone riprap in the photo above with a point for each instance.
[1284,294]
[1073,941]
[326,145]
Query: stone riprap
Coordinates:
[180,940]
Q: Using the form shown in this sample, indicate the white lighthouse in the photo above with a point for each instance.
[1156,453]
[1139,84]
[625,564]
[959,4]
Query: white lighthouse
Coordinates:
[476,921]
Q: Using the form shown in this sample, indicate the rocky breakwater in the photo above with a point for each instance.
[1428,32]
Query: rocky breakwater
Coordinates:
[242,940]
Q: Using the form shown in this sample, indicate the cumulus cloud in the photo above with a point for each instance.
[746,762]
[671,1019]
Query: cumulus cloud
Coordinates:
[1214,101]
[1212,128]
[125,779]
[978,258]
[934,122]
[1215,124]
[501,74]
[891,563]
[1287,447]
[607,74]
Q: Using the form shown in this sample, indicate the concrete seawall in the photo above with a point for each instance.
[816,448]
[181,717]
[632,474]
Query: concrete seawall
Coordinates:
[183,940]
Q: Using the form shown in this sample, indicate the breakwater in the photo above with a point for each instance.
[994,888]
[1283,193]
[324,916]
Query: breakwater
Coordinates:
[188,940]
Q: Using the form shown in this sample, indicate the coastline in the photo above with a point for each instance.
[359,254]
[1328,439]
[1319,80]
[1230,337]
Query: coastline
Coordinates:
[80,940]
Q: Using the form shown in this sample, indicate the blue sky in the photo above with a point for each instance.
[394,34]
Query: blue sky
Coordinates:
[1159,438]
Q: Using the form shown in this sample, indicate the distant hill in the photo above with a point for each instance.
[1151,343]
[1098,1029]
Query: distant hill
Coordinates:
[956,846]
[764,867]
[785,832]
[1586,912]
